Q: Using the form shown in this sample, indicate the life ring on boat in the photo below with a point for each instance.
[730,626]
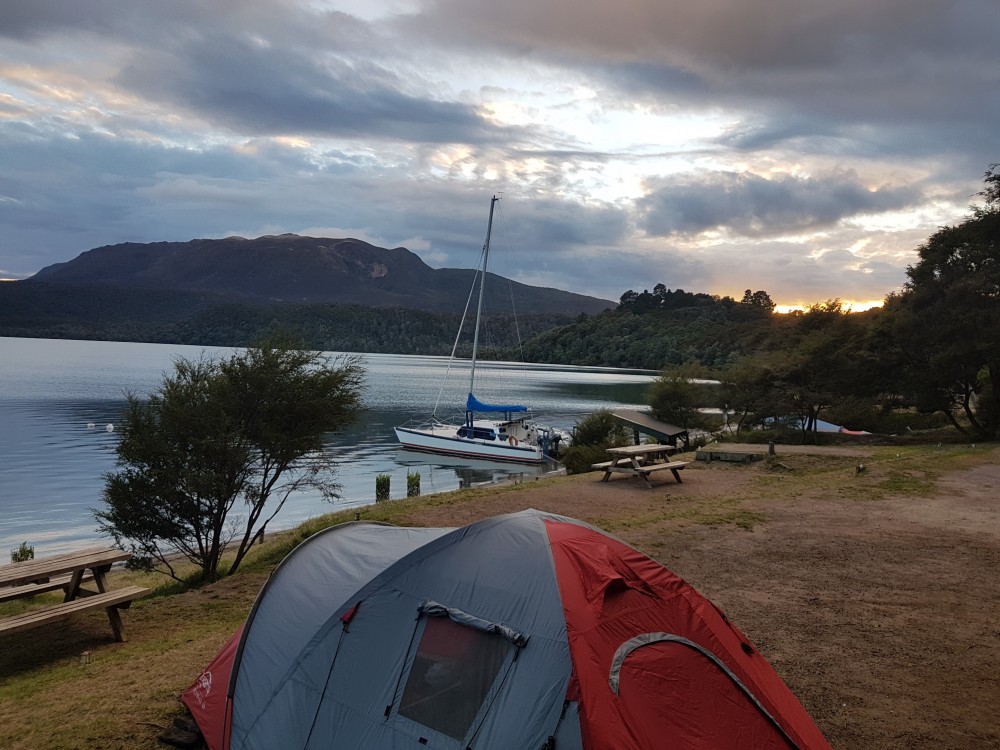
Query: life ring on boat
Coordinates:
[512,440]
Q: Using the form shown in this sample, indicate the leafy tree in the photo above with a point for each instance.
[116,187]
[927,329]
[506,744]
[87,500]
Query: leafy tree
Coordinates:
[628,298]
[947,319]
[760,299]
[822,362]
[662,298]
[747,386]
[675,396]
[209,459]
[990,194]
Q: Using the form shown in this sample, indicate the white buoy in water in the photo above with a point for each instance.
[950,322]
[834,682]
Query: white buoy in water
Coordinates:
[110,428]
[90,425]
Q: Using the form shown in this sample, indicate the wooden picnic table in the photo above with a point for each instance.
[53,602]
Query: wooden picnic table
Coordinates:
[68,572]
[641,461]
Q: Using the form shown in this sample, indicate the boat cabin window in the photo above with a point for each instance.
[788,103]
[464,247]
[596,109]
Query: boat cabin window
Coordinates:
[479,433]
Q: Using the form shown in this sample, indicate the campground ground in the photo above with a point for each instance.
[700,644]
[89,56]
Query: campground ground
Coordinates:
[873,592]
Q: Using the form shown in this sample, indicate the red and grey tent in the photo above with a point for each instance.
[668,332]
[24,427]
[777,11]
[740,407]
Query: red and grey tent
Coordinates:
[529,630]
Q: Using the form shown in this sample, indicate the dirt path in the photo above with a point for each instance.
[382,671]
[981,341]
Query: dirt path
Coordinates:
[884,616]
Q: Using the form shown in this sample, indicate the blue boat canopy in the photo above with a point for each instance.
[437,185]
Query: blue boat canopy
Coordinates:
[474,404]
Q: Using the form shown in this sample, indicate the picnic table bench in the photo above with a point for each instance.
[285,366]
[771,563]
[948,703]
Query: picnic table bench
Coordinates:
[41,587]
[67,572]
[640,461]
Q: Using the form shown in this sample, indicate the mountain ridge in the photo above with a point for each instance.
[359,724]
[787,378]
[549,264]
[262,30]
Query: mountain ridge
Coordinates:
[290,268]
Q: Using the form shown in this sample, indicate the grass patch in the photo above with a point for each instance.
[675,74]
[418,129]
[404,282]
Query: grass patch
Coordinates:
[894,481]
[889,470]
[905,482]
[720,512]
[744,519]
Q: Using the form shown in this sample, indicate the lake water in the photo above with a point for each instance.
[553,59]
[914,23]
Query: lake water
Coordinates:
[60,398]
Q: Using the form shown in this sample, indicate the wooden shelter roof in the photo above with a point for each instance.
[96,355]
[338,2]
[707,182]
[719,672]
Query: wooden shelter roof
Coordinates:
[645,423]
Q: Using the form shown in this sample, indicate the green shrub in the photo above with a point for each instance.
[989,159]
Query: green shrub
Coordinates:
[578,458]
[22,553]
[592,436]
[382,482]
[600,429]
[413,484]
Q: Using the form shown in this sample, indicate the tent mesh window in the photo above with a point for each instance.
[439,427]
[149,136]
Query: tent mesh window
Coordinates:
[453,670]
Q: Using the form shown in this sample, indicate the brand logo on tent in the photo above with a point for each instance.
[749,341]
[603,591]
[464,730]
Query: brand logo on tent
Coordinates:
[202,688]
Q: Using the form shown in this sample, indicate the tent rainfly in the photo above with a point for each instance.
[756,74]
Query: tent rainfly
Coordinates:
[529,630]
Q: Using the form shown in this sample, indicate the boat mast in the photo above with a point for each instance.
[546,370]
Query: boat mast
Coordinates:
[482,287]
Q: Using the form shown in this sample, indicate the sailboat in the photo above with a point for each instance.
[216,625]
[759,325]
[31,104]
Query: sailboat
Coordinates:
[499,432]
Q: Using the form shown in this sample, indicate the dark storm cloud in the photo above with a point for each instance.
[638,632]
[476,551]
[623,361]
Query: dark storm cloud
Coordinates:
[559,225]
[33,18]
[155,23]
[254,69]
[895,75]
[534,234]
[40,157]
[253,88]
[726,38]
[640,76]
[755,206]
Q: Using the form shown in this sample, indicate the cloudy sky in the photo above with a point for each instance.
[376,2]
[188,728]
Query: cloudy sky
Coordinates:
[803,147]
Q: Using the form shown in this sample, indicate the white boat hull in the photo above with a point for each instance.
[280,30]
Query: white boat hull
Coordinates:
[444,439]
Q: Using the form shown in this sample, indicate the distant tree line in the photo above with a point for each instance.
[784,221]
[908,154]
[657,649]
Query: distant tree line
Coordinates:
[662,299]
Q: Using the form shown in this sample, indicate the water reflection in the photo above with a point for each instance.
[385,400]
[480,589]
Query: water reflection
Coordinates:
[466,472]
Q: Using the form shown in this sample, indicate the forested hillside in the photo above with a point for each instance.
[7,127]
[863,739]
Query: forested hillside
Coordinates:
[108,313]
[352,328]
[655,329]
